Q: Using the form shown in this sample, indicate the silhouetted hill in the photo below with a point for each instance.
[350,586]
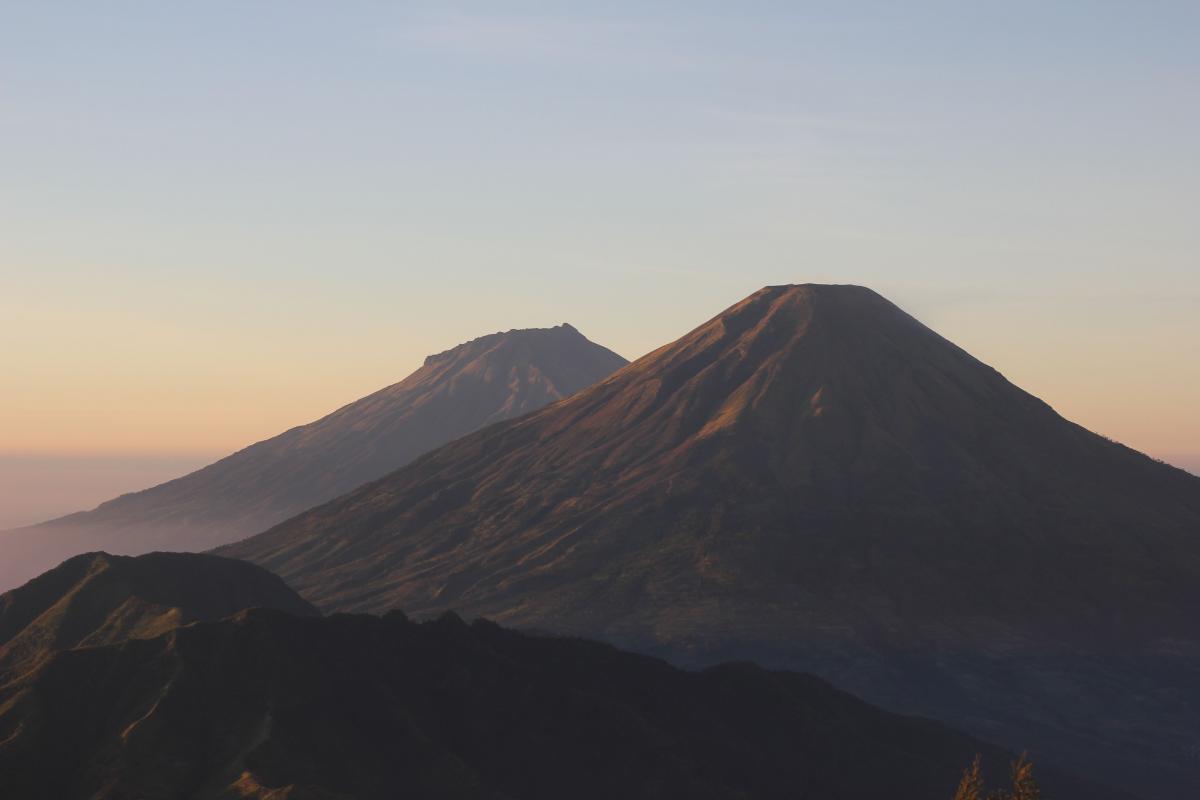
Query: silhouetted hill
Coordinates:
[461,390]
[96,598]
[815,480]
[266,704]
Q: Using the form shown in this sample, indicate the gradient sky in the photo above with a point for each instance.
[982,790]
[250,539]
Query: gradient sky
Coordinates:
[219,220]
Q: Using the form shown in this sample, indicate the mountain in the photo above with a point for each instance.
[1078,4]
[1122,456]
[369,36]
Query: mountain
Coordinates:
[272,703]
[97,599]
[814,480]
[461,390]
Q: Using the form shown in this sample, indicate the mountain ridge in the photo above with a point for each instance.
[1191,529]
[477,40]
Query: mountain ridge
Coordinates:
[268,702]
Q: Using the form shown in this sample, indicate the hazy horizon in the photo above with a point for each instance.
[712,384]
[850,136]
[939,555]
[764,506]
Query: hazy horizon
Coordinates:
[36,487]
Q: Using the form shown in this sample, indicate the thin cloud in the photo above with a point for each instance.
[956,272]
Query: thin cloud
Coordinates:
[836,123]
[602,42]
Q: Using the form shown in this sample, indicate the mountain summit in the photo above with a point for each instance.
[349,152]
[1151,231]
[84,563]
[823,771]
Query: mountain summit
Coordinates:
[486,380]
[815,479]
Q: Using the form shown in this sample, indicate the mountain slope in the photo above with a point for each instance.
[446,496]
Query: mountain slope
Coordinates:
[461,390]
[267,704]
[816,480]
[96,599]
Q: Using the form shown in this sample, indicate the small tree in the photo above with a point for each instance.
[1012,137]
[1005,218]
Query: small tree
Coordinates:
[1024,787]
[971,786]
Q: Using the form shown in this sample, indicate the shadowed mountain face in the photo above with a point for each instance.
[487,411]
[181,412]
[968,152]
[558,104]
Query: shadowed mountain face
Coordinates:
[96,599]
[268,704]
[489,379]
[816,480]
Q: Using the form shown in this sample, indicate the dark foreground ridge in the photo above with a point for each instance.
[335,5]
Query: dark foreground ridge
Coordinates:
[486,380]
[269,704]
[97,599]
[814,480]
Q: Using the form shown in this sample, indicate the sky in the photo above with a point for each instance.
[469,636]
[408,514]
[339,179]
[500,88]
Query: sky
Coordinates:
[219,220]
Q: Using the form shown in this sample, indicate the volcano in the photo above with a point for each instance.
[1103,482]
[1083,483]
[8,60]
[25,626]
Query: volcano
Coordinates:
[486,380]
[815,480]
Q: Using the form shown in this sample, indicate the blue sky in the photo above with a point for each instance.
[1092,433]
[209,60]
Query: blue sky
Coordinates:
[218,220]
